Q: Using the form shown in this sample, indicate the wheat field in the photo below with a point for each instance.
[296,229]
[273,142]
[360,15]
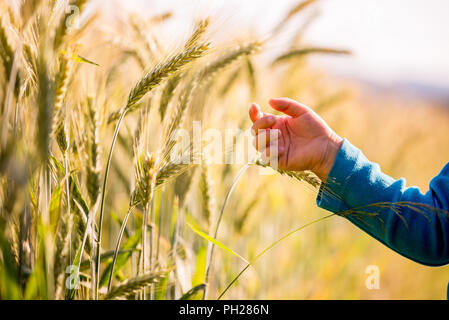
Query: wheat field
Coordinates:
[93,204]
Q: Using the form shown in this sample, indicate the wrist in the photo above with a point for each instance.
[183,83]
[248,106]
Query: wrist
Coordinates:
[331,147]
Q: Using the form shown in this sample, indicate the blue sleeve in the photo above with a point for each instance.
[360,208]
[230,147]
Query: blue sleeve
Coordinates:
[354,184]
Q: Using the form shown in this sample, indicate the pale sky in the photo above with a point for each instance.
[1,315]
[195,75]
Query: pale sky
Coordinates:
[392,40]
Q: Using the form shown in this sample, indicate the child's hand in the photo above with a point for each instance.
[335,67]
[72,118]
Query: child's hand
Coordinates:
[305,141]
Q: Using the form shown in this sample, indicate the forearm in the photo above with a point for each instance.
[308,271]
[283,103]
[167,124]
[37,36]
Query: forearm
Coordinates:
[355,184]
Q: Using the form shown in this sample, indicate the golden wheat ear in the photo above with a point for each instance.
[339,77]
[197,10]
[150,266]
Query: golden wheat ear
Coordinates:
[298,53]
[136,284]
[162,71]
[168,93]
[233,55]
[58,129]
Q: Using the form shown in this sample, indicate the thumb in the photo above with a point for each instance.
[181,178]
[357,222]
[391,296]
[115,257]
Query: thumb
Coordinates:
[288,106]
[255,113]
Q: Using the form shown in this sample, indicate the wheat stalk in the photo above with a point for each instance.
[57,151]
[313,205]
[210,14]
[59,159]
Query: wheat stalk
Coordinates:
[119,238]
[306,176]
[59,130]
